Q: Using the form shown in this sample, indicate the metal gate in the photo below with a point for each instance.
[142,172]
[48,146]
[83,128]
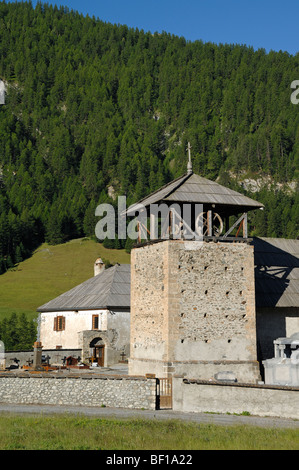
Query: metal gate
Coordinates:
[164,393]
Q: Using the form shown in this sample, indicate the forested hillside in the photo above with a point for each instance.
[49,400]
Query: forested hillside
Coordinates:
[92,106]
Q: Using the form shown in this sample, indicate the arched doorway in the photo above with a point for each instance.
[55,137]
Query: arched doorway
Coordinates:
[97,351]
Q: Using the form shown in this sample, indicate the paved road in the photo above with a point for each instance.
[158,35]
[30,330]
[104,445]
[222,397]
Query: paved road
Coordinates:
[219,419]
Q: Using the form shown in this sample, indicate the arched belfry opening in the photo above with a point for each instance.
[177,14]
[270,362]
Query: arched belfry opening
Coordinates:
[192,300]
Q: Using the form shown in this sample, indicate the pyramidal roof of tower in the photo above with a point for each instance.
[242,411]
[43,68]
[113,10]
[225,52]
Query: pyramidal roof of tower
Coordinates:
[192,188]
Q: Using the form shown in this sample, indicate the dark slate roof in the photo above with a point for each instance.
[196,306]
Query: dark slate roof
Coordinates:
[109,289]
[276,272]
[196,189]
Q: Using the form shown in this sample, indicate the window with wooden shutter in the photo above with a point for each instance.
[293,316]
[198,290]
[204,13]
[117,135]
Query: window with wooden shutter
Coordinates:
[95,322]
[59,323]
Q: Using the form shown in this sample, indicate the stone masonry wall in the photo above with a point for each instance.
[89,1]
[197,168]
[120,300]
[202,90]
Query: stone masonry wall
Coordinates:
[117,392]
[259,400]
[148,304]
[193,309]
[217,303]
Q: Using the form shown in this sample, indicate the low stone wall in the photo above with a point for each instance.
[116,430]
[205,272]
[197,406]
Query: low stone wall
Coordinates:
[56,356]
[260,400]
[110,391]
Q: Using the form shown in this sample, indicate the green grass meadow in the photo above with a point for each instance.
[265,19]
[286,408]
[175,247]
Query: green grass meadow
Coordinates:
[37,432]
[49,272]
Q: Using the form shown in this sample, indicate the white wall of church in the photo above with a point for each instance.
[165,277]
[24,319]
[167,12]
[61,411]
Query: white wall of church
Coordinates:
[75,321]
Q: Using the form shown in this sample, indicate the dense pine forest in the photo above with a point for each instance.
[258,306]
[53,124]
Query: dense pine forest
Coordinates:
[95,110]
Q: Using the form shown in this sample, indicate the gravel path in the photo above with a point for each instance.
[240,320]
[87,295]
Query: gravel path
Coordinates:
[120,413]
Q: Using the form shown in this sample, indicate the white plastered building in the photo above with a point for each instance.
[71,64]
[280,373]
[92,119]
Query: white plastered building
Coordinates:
[93,316]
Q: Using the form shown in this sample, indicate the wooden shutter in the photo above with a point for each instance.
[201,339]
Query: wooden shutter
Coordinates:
[95,322]
[59,323]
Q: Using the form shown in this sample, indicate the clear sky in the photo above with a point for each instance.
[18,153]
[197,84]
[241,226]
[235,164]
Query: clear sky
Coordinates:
[268,24]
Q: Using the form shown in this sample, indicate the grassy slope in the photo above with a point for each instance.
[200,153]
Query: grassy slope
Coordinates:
[51,271]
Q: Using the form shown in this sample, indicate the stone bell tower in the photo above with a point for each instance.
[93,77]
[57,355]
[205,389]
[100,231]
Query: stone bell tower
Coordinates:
[192,284]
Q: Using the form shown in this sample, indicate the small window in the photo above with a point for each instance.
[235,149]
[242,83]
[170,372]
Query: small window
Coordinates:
[59,323]
[95,322]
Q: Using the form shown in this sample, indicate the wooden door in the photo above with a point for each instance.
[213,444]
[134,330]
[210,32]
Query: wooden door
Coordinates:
[99,355]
